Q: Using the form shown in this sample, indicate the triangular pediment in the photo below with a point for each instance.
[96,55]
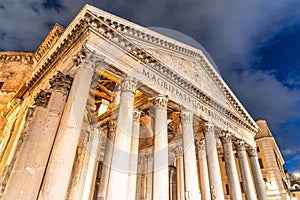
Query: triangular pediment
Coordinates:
[191,63]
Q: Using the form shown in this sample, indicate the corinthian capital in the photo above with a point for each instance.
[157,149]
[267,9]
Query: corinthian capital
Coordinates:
[200,144]
[136,115]
[128,84]
[42,98]
[209,128]
[186,117]
[61,82]
[240,145]
[225,137]
[88,57]
[161,101]
[178,151]
[252,151]
[112,127]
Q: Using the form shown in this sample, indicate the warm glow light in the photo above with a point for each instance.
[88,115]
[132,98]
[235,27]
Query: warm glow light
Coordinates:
[296,174]
[103,107]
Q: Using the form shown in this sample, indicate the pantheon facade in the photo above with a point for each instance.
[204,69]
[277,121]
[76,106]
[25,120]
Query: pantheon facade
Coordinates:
[108,109]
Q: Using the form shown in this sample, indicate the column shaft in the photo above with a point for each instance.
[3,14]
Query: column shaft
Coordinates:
[257,175]
[60,85]
[215,180]
[179,173]
[245,171]
[89,181]
[58,173]
[190,167]
[230,166]
[118,178]
[111,133]
[161,171]
[202,163]
[134,156]
[16,184]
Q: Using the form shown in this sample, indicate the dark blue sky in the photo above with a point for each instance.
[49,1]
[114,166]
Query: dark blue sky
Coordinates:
[255,45]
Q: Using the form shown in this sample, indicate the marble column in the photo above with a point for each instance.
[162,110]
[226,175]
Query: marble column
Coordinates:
[16,185]
[89,181]
[161,172]
[149,176]
[189,156]
[230,166]
[118,177]
[134,150]
[111,133]
[257,175]
[202,163]
[245,171]
[215,179]
[179,173]
[59,169]
[173,182]
[37,162]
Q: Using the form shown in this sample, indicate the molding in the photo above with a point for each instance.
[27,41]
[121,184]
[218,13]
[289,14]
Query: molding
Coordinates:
[116,33]
[50,40]
[11,106]
[22,57]
[140,33]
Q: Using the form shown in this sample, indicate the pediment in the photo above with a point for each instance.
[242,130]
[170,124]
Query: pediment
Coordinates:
[192,71]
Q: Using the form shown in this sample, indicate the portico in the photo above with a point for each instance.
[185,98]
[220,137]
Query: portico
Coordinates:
[142,116]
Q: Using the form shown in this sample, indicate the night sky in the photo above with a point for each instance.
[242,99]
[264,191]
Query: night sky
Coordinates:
[255,44]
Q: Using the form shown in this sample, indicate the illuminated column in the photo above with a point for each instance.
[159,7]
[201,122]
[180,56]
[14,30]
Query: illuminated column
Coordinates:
[16,185]
[112,126]
[37,161]
[230,166]
[91,173]
[134,155]
[190,167]
[118,177]
[202,163]
[215,179]
[245,170]
[59,169]
[161,171]
[258,178]
[179,173]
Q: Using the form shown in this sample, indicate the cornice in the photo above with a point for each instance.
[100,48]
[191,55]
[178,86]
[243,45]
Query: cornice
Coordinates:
[116,32]
[63,44]
[51,38]
[23,57]
[111,31]
[127,28]
[11,106]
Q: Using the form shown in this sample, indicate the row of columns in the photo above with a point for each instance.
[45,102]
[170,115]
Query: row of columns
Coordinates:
[119,173]
[118,188]
[31,161]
